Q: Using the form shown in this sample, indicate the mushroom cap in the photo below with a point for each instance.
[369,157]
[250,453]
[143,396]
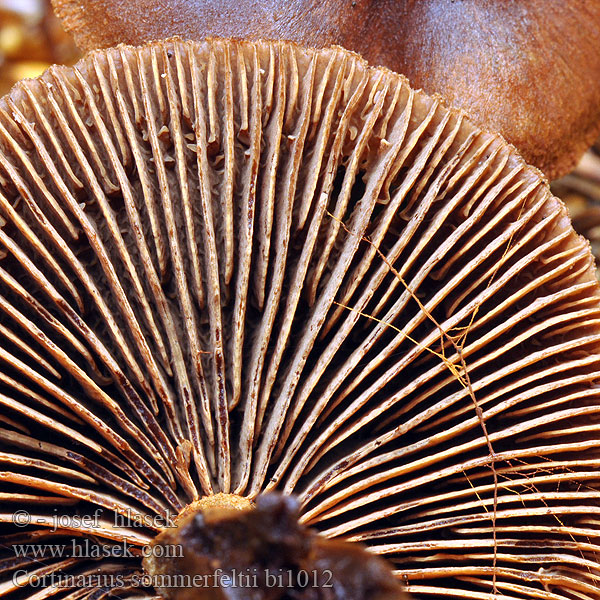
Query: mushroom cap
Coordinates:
[235,267]
[530,70]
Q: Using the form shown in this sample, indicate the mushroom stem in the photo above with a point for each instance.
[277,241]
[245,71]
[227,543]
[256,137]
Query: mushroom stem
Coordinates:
[224,550]
[216,501]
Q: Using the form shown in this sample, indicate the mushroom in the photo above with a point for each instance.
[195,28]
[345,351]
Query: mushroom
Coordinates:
[529,70]
[233,268]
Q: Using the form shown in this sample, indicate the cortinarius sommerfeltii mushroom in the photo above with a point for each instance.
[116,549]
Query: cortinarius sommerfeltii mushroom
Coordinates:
[234,268]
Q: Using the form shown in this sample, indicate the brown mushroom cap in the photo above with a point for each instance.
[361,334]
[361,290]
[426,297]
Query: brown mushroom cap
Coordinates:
[530,70]
[237,267]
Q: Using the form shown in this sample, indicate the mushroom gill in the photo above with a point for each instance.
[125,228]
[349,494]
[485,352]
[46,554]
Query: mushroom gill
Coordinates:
[234,268]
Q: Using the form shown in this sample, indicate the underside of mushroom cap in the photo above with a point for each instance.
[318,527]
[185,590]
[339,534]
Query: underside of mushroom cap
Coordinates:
[529,70]
[236,267]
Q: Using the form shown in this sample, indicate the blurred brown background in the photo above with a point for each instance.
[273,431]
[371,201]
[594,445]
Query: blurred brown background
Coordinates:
[31,39]
[581,192]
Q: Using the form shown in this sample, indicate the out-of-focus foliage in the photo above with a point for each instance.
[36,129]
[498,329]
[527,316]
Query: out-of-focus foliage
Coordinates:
[31,39]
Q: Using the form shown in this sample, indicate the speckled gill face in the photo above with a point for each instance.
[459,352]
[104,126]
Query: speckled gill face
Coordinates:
[241,267]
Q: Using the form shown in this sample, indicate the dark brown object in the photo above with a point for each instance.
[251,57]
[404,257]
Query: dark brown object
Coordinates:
[234,267]
[264,553]
[528,69]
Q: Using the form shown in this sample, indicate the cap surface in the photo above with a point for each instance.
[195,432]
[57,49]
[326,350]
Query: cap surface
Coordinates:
[237,267]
